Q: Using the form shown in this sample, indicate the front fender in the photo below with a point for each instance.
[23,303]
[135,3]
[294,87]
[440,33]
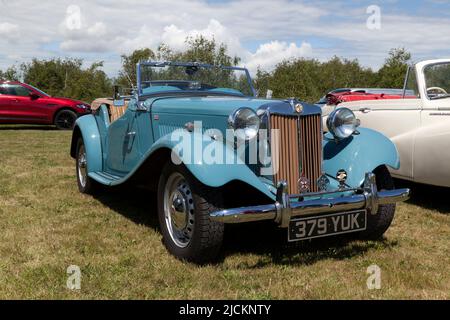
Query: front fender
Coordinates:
[86,126]
[210,174]
[359,154]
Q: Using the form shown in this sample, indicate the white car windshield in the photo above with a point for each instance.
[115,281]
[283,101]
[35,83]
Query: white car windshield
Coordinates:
[437,77]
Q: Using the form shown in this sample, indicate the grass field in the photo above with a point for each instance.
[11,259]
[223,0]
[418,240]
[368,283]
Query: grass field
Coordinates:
[46,225]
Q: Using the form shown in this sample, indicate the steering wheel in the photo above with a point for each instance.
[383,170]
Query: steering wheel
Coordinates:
[437,89]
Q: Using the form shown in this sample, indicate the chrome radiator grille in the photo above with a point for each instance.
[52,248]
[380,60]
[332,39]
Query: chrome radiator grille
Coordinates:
[299,150]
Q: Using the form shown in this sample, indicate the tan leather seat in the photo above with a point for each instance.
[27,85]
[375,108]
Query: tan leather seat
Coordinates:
[114,112]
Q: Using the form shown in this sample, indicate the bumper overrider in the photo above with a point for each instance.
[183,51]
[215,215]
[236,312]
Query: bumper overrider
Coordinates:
[284,209]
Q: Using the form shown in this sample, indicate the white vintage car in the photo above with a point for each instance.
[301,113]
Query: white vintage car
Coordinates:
[418,124]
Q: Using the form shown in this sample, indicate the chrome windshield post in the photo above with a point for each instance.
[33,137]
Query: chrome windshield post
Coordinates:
[371,193]
[283,205]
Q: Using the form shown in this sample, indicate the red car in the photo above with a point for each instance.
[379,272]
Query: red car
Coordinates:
[21,103]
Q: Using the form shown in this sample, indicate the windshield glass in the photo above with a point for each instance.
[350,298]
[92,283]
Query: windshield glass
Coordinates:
[40,91]
[173,78]
[437,77]
[412,88]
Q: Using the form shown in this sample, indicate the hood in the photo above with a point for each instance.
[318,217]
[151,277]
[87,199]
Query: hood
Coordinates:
[222,106]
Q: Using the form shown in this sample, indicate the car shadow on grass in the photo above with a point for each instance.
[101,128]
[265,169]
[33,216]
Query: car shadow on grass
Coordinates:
[135,204]
[427,196]
[27,127]
[263,239]
[270,242]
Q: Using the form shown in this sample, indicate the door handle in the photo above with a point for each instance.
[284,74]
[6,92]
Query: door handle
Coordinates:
[15,100]
[365,110]
[131,134]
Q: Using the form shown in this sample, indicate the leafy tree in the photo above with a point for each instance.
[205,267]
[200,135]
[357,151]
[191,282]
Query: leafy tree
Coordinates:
[67,78]
[309,79]
[127,76]
[199,49]
[306,79]
[392,73]
[12,74]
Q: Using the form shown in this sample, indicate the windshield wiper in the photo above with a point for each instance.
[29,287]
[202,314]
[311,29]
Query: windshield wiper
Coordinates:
[440,97]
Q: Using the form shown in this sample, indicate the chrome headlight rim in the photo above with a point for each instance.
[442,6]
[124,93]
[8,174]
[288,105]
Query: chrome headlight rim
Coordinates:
[236,122]
[342,123]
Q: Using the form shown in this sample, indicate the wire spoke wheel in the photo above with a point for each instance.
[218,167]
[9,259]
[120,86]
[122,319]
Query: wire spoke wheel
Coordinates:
[179,210]
[184,208]
[82,166]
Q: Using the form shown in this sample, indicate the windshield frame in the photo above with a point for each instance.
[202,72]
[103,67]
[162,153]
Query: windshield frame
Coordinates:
[190,64]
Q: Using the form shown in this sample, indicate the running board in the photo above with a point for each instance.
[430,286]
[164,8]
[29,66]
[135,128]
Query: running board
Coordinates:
[106,178]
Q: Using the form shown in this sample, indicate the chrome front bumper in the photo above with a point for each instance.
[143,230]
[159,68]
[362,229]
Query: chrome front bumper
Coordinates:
[283,210]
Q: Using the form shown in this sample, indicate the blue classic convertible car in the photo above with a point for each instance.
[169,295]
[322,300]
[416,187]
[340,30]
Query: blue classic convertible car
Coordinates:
[216,154]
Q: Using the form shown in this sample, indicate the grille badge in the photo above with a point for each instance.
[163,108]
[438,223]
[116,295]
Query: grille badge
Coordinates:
[303,184]
[299,108]
[323,183]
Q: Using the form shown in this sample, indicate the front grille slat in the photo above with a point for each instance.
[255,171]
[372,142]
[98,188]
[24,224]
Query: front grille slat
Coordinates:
[299,150]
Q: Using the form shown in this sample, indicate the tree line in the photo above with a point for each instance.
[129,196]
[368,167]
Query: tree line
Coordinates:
[306,79]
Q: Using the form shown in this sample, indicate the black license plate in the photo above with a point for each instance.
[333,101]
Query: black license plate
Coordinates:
[327,225]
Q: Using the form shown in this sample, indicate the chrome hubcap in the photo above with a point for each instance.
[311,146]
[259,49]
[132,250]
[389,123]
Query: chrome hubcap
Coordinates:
[179,210]
[82,166]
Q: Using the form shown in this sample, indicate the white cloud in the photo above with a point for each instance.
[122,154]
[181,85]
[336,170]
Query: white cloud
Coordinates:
[175,37]
[9,31]
[262,32]
[270,54]
[266,56]
[81,36]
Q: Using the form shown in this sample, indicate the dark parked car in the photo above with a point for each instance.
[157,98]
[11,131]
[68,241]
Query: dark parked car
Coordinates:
[21,103]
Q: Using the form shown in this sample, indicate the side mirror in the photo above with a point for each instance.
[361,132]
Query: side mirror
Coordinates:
[34,96]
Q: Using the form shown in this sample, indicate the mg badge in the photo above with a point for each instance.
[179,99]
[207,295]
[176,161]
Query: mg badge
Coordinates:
[299,108]
[303,184]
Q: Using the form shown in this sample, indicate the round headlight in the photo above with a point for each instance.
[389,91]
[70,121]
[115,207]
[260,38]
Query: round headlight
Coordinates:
[342,123]
[245,123]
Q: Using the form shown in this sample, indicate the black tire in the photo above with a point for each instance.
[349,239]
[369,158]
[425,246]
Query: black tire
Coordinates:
[85,183]
[65,119]
[206,236]
[378,224]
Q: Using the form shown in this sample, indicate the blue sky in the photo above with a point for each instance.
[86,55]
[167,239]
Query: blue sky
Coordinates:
[261,32]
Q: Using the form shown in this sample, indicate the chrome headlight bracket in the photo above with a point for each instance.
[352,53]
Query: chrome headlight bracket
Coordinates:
[245,123]
[342,123]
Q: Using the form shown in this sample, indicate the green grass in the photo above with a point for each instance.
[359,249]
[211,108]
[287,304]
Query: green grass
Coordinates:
[46,225]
